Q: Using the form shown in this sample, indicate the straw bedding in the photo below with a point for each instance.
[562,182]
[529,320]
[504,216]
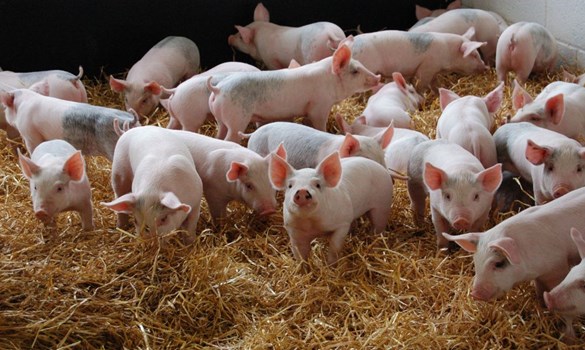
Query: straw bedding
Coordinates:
[238,285]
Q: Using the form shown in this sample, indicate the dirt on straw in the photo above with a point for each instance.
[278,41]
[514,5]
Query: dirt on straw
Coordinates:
[237,285]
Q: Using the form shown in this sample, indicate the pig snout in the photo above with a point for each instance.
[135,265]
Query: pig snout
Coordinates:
[561,190]
[42,215]
[481,293]
[267,211]
[554,302]
[461,223]
[373,81]
[549,301]
[302,198]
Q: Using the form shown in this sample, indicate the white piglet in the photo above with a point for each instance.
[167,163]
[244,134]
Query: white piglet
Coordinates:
[58,182]
[460,189]
[552,162]
[323,202]
[568,298]
[559,107]
[277,45]
[155,179]
[393,102]
[170,61]
[468,121]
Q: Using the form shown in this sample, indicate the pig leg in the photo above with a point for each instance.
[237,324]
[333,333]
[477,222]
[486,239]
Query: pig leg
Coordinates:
[216,206]
[318,119]
[379,218]
[539,197]
[523,72]
[441,225]
[174,124]
[569,336]
[336,244]
[86,215]
[236,126]
[301,246]
[221,130]
[190,225]
[122,185]
[417,201]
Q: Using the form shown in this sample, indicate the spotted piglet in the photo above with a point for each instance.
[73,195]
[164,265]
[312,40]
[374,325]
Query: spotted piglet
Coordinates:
[460,188]
[323,202]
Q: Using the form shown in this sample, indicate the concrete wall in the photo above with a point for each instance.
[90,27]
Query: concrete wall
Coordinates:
[564,18]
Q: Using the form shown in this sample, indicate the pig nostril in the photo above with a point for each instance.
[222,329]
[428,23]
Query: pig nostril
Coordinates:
[308,196]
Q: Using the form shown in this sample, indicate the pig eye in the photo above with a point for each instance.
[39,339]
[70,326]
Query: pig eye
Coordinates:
[354,71]
[534,118]
[579,168]
[476,197]
[318,185]
[249,187]
[163,220]
[501,264]
[447,196]
[59,188]
[550,168]
[289,185]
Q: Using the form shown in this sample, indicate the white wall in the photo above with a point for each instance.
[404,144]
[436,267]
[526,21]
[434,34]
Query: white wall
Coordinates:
[564,18]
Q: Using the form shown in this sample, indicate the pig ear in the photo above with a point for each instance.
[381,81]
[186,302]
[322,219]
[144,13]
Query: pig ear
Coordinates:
[555,108]
[347,41]
[343,125]
[467,241]
[42,87]
[360,120]
[470,33]
[349,147]
[279,170]
[434,177]
[493,100]
[467,47]
[74,167]
[341,59]
[170,200]
[246,33]
[330,169]
[124,204]
[236,171]
[568,77]
[385,137]
[28,167]
[536,154]
[117,85]
[509,248]
[7,99]
[520,97]
[446,97]
[261,13]
[153,87]
[400,81]
[579,240]
[281,151]
[293,64]
[491,178]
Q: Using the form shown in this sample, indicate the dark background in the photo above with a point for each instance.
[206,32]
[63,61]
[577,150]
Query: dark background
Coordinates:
[111,35]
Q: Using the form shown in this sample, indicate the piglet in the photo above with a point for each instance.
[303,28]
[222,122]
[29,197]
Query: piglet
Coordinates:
[323,202]
[309,91]
[276,45]
[40,118]
[460,189]
[307,147]
[467,121]
[534,244]
[559,107]
[458,21]
[568,298]
[58,182]
[571,78]
[398,152]
[552,162]
[53,83]
[155,179]
[188,104]
[229,172]
[523,48]
[419,55]
[170,61]
[393,102]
